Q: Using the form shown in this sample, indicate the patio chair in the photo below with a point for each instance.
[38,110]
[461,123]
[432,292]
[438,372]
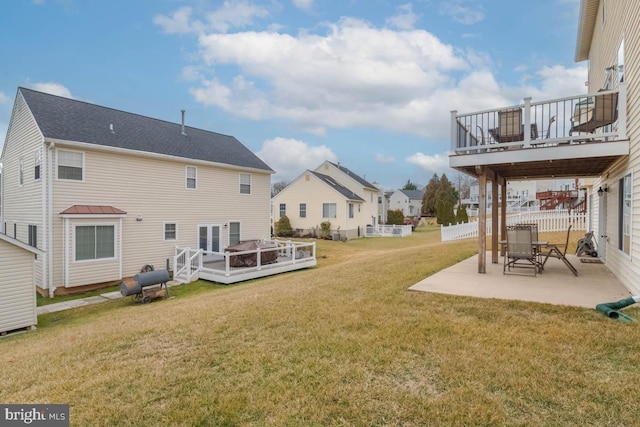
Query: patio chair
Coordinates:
[594,112]
[510,127]
[520,251]
[559,250]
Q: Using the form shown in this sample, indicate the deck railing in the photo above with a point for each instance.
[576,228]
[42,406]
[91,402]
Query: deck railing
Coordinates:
[549,123]
[388,231]
[188,262]
[548,221]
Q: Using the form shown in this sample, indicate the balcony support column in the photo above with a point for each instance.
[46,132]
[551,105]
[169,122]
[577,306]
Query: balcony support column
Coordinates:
[494,220]
[527,122]
[503,214]
[482,219]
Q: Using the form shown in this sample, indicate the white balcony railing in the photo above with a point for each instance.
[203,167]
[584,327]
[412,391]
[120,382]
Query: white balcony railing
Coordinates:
[595,117]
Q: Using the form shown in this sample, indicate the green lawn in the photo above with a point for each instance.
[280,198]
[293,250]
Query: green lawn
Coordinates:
[344,343]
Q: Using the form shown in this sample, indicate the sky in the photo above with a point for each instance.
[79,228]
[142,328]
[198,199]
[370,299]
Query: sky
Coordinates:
[367,83]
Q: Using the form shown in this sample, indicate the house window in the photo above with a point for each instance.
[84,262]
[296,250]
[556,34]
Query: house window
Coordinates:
[245,183]
[303,210]
[37,162]
[15,230]
[70,165]
[94,242]
[329,210]
[624,223]
[33,236]
[283,209]
[20,174]
[350,210]
[234,233]
[191,173]
[170,231]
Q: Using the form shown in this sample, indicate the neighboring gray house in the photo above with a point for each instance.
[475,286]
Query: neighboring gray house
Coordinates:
[104,192]
[409,201]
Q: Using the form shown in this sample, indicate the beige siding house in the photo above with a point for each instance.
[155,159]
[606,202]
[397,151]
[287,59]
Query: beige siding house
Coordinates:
[593,135]
[17,284]
[609,39]
[104,192]
[329,193]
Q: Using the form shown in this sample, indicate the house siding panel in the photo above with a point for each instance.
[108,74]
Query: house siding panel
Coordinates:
[621,20]
[23,139]
[18,302]
[154,190]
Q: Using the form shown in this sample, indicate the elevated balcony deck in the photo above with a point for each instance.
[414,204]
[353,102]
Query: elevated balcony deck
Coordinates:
[577,136]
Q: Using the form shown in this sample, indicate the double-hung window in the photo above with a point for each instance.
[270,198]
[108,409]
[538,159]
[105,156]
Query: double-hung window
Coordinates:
[33,236]
[21,174]
[170,231]
[94,242]
[70,165]
[234,233]
[329,210]
[37,159]
[303,210]
[283,209]
[245,183]
[191,173]
[350,210]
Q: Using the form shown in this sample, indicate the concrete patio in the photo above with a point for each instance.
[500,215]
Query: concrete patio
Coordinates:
[556,285]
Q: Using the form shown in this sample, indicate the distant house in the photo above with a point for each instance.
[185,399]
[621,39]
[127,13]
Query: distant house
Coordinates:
[17,284]
[330,193]
[104,192]
[408,201]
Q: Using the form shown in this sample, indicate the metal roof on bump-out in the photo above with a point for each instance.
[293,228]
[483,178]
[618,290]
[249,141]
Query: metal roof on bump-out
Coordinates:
[92,210]
[72,120]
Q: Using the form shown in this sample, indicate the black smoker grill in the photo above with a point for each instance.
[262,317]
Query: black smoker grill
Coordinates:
[147,286]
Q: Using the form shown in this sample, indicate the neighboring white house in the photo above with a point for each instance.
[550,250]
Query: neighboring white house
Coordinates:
[521,195]
[408,201]
[330,193]
[104,192]
[17,284]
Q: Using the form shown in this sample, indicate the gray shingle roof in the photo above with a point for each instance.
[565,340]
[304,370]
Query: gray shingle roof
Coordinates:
[414,194]
[358,178]
[72,120]
[339,188]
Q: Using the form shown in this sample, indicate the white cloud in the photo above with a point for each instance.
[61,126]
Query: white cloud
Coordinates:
[53,89]
[405,19]
[351,74]
[383,158]
[3,98]
[290,157]
[303,4]
[461,13]
[430,164]
[231,14]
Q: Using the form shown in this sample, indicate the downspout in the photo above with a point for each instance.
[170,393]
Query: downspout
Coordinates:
[610,309]
[49,218]
[45,166]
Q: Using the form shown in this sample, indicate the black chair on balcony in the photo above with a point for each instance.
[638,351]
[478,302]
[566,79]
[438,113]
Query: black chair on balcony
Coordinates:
[594,113]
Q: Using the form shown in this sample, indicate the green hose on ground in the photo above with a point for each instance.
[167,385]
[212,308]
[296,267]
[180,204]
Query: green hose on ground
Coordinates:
[611,309]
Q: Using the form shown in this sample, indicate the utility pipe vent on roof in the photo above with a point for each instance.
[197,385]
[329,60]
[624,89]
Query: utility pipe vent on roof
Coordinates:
[182,131]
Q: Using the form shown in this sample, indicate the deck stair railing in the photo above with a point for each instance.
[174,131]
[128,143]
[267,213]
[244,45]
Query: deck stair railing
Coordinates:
[187,263]
[548,221]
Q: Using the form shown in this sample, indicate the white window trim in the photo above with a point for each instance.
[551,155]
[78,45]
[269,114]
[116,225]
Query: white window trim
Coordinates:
[83,165]
[335,213]
[94,224]
[240,183]
[164,231]
[37,158]
[20,172]
[186,177]
[620,206]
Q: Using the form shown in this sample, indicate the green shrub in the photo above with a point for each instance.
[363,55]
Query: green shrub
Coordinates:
[395,217]
[283,227]
[325,230]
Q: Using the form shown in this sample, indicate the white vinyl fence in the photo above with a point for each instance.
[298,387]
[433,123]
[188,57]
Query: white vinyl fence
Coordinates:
[555,220]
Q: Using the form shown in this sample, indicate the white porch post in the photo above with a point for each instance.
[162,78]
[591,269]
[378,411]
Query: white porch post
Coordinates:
[622,110]
[454,130]
[527,122]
